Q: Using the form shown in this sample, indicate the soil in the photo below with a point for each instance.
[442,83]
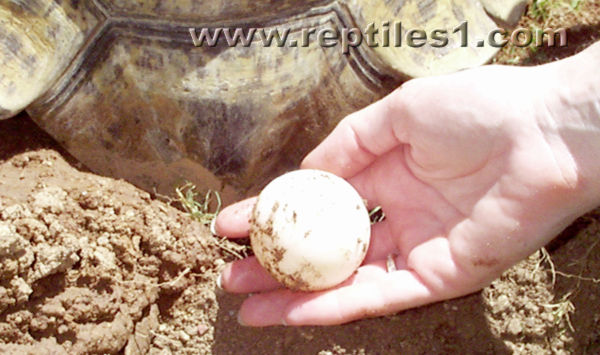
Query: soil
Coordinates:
[93,265]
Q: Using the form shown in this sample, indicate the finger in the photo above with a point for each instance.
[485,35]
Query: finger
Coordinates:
[245,276]
[266,309]
[381,243]
[372,292]
[234,220]
[357,140]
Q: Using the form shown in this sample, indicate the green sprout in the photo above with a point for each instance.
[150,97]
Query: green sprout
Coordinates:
[544,10]
[198,210]
[540,9]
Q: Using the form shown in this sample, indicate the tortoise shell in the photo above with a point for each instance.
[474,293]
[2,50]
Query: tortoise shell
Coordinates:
[123,87]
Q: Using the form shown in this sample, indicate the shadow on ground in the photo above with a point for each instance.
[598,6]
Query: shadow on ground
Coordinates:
[575,255]
[457,326]
[20,134]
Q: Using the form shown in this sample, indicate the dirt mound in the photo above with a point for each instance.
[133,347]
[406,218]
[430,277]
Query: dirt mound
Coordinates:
[86,261]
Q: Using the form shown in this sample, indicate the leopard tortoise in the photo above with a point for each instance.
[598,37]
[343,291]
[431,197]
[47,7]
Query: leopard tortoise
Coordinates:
[121,85]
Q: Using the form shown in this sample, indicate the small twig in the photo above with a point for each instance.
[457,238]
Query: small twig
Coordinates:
[546,257]
[578,277]
[167,199]
[591,248]
[179,277]
[562,309]
[223,243]
[376,215]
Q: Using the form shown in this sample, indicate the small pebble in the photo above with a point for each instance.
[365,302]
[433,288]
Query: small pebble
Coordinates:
[184,336]
[501,305]
[62,329]
[202,328]
[514,326]
[191,330]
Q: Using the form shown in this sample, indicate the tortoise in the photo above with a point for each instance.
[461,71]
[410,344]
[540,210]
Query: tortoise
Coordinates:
[121,85]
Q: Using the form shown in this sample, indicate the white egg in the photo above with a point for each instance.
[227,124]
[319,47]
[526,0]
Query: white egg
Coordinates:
[310,229]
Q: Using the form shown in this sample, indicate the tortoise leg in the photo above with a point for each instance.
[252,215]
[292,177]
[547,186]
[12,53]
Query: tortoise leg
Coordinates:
[38,39]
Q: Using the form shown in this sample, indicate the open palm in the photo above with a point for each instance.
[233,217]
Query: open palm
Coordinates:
[472,175]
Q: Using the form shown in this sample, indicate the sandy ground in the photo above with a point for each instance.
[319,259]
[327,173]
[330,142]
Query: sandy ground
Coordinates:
[93,265]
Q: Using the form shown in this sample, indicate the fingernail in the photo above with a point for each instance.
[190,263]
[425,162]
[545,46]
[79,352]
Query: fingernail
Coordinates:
[219,285]
[225,268]
[213,230]
[240,321]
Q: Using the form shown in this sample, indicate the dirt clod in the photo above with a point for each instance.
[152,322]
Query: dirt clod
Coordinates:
[86,261]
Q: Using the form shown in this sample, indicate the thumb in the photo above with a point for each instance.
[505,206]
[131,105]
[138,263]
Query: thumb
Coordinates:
[358,139]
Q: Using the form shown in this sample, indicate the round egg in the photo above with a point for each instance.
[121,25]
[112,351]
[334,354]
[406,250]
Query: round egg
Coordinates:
[310,229]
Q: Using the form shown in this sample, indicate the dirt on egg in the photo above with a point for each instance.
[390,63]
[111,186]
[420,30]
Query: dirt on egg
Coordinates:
[310,229]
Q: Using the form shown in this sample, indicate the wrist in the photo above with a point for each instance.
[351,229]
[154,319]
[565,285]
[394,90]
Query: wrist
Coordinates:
[575,110]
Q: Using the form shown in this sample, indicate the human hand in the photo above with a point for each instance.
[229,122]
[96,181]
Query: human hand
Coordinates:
[474,172]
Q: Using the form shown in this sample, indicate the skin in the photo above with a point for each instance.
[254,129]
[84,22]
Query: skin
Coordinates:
[475,171]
